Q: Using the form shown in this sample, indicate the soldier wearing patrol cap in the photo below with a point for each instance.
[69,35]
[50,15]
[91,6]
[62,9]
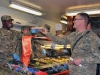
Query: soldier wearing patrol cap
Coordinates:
[6,17]
[25,31]
[8,43]
[7,22]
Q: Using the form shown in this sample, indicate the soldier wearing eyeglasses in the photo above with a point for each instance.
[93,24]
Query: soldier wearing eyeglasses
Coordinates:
[86,51]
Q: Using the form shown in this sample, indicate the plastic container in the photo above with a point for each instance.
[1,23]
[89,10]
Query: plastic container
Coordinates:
[33,31]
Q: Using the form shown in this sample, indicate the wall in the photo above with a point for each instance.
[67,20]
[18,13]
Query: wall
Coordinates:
[27,17]
[97,30]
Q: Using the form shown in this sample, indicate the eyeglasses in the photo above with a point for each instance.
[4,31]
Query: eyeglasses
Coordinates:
[77,19]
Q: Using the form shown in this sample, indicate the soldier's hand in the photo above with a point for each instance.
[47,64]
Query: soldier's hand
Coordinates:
[44,30]
[77,61]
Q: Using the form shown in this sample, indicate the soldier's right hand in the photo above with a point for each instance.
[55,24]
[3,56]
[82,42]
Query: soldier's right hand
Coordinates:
[43,30]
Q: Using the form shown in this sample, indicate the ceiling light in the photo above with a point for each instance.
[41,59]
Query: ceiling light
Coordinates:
[25,9]
[62,21]
[90,12]
[29,3]
[84,6]
[64,16]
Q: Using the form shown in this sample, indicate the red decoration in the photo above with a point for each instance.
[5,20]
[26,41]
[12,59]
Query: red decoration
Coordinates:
[26,50]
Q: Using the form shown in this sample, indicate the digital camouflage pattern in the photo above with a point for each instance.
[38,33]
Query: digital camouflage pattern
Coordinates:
[21,34]
[36,46]
[8,42]
[6,17]
[87,48]
[37,50]
[8,46]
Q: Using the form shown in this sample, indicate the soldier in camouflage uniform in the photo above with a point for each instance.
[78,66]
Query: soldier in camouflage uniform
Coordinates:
[87,50]
[36,47]
[8,43]
[25,31]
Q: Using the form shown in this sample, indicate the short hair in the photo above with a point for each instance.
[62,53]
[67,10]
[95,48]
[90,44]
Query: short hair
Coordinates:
[85,16]
[25,28]
[91,23]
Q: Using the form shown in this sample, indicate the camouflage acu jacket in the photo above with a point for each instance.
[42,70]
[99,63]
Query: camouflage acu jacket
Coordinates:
[87,48]
[8,43]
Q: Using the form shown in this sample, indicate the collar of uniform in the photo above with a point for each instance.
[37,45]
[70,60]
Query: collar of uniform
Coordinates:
[5,30]
[82,33]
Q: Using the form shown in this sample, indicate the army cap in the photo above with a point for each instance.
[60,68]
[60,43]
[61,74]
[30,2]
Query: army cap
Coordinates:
[47,27]
[6,17]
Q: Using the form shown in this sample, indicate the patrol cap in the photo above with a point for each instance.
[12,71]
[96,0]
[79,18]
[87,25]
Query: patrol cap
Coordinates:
[6,17]
[47,27]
